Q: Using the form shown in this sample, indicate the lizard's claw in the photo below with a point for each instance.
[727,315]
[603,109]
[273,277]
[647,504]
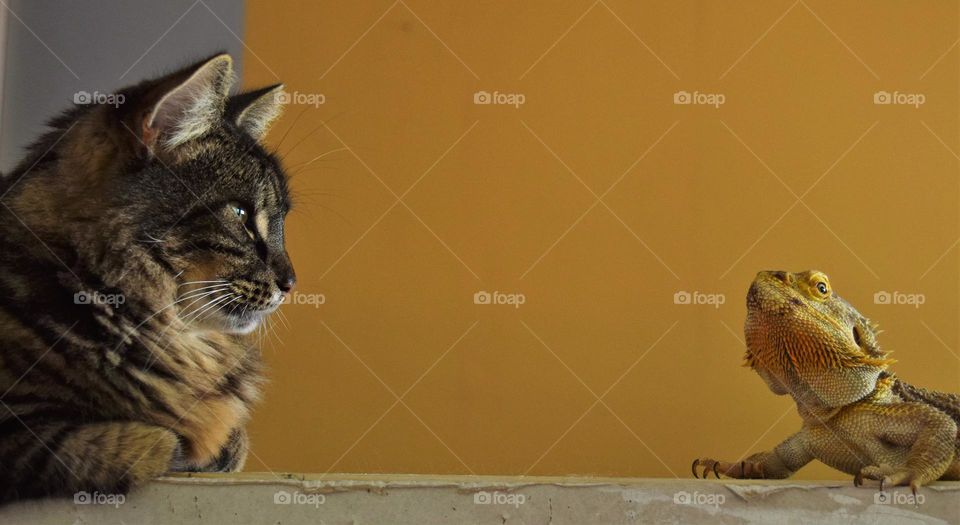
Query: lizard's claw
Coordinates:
[879,473]
[888,477]
[708,466]
[738,470]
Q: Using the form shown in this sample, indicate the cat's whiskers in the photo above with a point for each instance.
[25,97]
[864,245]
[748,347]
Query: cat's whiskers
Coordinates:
[196,313]
[283,318]
[202,282]
[219,308]
[187,296]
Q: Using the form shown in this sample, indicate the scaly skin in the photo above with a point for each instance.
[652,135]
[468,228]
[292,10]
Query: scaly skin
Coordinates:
[805,341]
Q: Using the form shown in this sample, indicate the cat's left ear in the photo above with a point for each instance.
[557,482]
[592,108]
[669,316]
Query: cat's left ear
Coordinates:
[187,104]
[254,111]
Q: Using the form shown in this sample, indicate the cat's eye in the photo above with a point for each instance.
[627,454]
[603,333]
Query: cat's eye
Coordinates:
[822,287]
[241,213]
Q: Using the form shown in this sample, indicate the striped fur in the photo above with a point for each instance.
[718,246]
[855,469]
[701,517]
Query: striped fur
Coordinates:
[128,278]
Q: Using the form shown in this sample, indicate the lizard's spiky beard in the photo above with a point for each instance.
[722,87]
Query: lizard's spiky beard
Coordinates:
[804,340]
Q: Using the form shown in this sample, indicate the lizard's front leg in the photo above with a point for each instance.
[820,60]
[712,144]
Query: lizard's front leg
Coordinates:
[927,434]
[779,463]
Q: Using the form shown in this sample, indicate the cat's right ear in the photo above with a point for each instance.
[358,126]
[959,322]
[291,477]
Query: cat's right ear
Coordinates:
[184,105]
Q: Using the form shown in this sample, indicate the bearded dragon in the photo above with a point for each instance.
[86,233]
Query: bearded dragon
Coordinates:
[805,341]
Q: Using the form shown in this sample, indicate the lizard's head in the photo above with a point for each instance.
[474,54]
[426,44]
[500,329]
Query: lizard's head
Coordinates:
[802,339]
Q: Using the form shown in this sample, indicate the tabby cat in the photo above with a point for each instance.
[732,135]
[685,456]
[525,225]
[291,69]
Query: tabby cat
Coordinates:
[139,242]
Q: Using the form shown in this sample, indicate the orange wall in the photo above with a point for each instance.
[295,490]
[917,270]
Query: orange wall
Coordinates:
[492,197]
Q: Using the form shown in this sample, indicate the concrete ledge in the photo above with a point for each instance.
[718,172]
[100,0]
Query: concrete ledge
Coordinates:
[364,499]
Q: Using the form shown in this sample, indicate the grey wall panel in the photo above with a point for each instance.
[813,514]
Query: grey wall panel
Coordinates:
[56,48]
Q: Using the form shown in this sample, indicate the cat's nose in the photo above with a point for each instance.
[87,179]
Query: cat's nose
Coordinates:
[286,283]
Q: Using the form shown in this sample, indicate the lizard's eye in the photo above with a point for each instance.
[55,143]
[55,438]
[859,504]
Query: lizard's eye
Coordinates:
[822,287]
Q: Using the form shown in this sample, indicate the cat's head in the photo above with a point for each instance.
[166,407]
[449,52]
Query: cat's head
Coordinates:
[170,192]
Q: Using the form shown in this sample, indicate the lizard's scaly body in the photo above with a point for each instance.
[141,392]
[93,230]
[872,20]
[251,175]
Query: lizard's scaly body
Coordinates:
[805,341]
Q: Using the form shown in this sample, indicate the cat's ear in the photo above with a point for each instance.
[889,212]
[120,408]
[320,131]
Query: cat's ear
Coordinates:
[254,111]
[186,104]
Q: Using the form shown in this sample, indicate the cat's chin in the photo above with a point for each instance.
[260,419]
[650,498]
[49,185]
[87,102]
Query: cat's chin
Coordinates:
[232,324]
[244,325]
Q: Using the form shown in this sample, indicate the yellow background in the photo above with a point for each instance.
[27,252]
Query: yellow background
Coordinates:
[598,199]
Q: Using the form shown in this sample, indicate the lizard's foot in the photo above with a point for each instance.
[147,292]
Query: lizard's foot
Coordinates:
[739,470]
[888,477]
